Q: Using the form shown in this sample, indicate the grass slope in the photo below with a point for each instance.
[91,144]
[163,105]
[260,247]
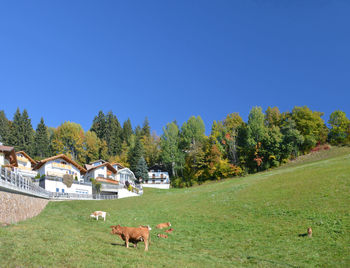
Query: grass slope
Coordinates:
[251,221]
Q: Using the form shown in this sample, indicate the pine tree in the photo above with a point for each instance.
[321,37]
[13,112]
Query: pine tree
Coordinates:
[127,131]
[99,125]
[135,153]
[22,133]
[28,133]
[146,129]
[141,171]
[4,128]
[113,134]
[15,131]
[42,143]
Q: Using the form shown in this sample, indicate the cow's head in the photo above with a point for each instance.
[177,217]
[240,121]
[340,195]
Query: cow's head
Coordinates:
[116,229]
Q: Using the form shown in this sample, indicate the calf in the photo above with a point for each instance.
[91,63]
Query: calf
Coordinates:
[163,225]
[162,235]
[146,226]
[97,214]
[132,234]
[170,230]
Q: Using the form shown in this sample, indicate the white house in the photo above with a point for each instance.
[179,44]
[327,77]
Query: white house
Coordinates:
[104,173]
[158,178]
[25,164]
[53,170]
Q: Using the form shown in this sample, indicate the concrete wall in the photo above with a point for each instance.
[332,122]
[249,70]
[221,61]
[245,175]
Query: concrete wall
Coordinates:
[16,207]
[52,186]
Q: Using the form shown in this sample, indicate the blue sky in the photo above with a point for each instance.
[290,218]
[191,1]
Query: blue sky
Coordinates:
[66,60]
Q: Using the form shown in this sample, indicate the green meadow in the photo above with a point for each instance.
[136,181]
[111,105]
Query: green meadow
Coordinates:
[250,221]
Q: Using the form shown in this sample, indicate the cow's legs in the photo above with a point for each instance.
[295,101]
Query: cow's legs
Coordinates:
[146,244]
[127,241]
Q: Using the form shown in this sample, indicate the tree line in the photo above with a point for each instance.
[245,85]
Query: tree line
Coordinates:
[233,148]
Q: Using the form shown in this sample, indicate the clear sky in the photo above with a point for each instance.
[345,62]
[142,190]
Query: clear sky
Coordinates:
[66,60]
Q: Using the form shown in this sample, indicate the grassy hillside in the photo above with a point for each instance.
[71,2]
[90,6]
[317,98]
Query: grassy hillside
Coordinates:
[251,221]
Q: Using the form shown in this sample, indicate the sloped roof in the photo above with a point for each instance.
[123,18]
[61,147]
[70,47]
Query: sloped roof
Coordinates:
[28,157]
[10,154]
[119,165]
[66,158]
[108,165]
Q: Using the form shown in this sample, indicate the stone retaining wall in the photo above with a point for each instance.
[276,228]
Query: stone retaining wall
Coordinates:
[17,207]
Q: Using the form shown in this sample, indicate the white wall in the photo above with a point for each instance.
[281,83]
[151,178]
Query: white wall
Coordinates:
[23,162]
[2,159]
[51,186]
[158,186]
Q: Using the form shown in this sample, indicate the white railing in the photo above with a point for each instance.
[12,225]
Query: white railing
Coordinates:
[66,196]
[15,182]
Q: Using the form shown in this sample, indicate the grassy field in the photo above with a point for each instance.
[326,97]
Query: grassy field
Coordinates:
[250,221]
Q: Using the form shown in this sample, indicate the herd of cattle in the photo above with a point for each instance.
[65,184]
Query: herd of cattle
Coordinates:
[134,234]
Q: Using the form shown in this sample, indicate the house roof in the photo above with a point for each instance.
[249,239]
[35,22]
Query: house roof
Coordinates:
[108,165]
[10,154]
[27,156]
[66,158]
[119,165]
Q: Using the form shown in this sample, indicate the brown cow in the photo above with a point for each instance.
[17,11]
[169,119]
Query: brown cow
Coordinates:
[170,230]
[163,225]
[132,234]
[162,235]
[145,226]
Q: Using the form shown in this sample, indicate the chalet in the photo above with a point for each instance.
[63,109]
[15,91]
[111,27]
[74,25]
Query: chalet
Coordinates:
[158,178]
[104,173]
[61,174]
[25,164]
[8,156]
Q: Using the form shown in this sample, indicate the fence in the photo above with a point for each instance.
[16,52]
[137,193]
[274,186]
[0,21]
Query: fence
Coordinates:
[15,182]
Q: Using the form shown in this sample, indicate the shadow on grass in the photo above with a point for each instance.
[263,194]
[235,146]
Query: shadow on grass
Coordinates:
[269,261]
[117,244]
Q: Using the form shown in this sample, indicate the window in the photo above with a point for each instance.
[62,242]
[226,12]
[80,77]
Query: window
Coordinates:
[57,190]
[62,190]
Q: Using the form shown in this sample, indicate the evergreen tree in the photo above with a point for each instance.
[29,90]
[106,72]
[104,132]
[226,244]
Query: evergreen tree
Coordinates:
[146,129]
[15,131]
[42,143]
[141,169]
[113,134]
[134,155]
[127,131]
[28,133]
[4,129]
[99,125]
[138,131]
[22,133]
